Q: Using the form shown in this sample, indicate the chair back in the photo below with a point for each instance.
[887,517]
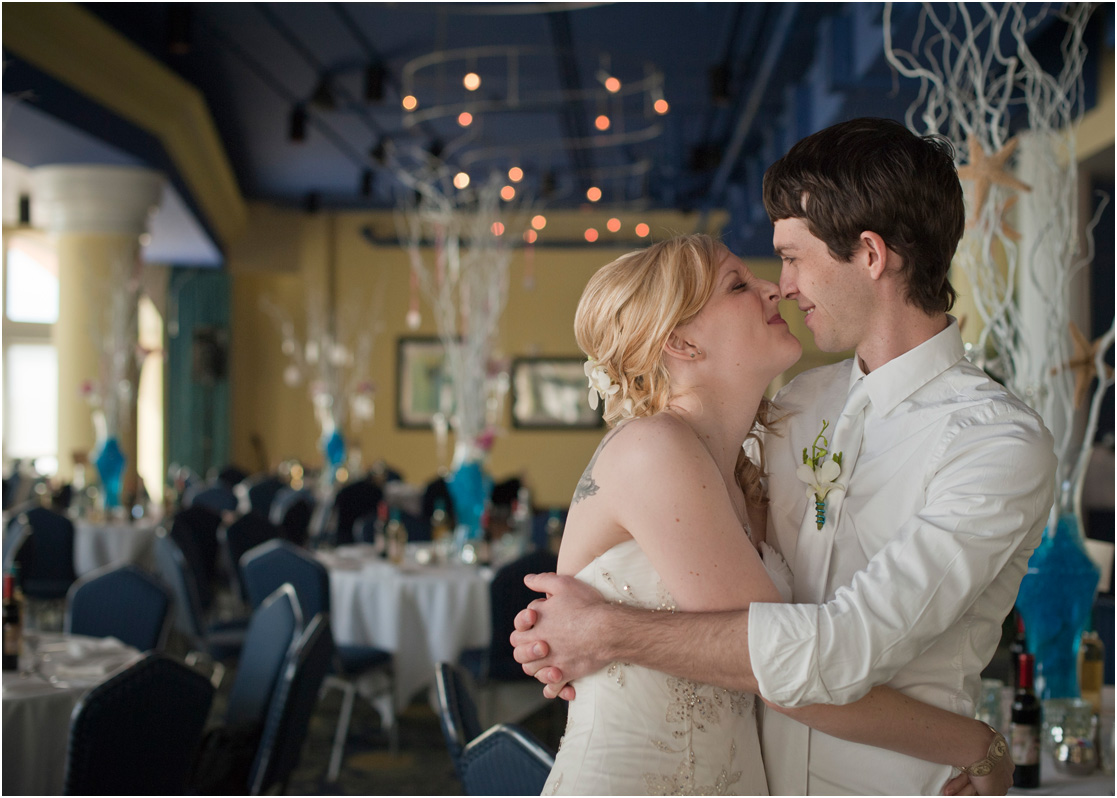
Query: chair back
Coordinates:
[46,554]
[138,732]
[261,491]
[353,501]
[506,760]
[292,706]
[276,562]
[272,633]
[175,571]
[238,538]
[215,496]
[124,602]
[291,511]
[457,710]
[507,596]
[195,531]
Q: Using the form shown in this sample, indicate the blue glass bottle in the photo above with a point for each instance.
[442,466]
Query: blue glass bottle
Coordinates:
[110,460]
[1056,597]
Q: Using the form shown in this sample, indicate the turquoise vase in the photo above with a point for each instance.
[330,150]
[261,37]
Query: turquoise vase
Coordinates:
[333,447]
[109,460]
[1056,597]
[470,487]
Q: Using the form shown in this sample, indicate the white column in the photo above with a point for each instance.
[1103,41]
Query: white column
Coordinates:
[96,215]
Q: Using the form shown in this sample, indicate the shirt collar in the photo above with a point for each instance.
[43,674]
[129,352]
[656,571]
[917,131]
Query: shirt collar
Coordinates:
[902,376]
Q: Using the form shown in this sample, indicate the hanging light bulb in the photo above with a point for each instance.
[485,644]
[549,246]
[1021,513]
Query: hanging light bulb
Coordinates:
[410,103]
[661,106]
[507,193]
[593,194]
[465,119]
[539,221]
[461,180]
[613,224]
[591,234]
[515,174]
[602,122]
[471,81]
[642,230]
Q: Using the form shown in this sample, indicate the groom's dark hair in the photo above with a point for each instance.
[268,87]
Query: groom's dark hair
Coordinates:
[876,175]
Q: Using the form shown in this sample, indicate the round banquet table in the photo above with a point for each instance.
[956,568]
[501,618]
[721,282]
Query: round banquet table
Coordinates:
[423,614]
[38,705]
[98,544]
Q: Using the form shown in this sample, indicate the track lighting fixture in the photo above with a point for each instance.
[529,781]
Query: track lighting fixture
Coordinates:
[296,130]
[375,77]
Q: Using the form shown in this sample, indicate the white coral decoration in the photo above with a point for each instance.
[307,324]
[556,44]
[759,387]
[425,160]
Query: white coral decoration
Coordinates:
[820,480]
[601,384]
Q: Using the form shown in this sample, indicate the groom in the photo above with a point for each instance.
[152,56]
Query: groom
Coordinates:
[905,571]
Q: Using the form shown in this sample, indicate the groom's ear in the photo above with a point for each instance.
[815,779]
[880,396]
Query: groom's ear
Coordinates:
[876,252]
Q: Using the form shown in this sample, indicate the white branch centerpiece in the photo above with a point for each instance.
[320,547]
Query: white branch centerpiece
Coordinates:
[112,395]
[333,358]
[983,88]
[460,242]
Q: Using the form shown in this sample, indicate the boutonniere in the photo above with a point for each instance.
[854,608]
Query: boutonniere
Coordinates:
[819,472]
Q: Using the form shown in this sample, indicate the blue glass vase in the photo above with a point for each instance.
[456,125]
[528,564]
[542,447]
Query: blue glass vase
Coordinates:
[1056,597]
[109,460]
[470,487]
[333,447]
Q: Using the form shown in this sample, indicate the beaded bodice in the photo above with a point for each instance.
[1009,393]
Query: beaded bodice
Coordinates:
[632,730]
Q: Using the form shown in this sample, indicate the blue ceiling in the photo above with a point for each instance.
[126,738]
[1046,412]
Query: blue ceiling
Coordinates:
[743,80]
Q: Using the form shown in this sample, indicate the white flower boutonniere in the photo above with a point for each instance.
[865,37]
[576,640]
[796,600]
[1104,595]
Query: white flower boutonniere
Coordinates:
[819,473]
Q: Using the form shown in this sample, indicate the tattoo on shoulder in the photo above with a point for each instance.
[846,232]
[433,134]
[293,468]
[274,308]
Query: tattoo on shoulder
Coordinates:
[587,486]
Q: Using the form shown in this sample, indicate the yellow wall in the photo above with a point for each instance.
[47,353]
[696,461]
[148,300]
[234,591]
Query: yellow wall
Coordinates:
[285,258]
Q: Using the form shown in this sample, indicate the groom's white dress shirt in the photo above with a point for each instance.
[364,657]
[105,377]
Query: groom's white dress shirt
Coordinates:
[945,504]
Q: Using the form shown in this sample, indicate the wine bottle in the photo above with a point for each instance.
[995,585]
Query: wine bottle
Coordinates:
[1091,668]
[13,622]
[440,522]
[395,535]
[1018,646]
[1026,726]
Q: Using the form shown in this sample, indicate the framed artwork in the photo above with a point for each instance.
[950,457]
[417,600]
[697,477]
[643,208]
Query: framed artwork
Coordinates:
[421,381]
[551,393]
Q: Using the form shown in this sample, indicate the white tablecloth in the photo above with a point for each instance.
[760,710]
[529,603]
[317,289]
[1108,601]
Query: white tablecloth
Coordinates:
[98,544]
[37,711]
[423,614]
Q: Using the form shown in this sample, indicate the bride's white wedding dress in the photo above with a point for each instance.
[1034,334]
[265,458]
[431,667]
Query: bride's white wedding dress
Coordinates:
[635,731]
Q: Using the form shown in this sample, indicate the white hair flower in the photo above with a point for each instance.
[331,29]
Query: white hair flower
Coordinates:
[600,383]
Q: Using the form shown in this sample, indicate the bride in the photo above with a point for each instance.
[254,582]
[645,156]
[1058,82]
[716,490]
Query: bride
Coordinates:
[669,515]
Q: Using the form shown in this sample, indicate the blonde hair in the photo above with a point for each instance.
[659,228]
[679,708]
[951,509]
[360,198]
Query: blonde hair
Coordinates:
[628,311]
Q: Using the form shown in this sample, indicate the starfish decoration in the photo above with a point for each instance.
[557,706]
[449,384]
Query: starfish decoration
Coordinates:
[1082,364]
[1006,228]
[985,170]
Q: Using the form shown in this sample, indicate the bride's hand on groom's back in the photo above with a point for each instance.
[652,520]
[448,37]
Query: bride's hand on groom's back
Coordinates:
[556,639]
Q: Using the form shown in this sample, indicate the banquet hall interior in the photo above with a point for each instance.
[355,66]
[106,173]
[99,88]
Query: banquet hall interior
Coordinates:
[291,394]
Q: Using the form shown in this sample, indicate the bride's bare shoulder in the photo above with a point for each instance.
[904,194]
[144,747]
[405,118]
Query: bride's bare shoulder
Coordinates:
[650,438]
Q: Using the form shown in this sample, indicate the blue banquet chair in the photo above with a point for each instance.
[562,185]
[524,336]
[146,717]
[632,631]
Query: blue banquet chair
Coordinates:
[44,550]
[505,760]
[278,561]
[237,539]
[124,602]
[137,733]
[230,749]
[457,710]
[291,511]
[257,493]
[221,640]
[291,708]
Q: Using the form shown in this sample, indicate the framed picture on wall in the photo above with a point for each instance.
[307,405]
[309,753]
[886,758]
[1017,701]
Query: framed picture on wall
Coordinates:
[421,381]
[551,393]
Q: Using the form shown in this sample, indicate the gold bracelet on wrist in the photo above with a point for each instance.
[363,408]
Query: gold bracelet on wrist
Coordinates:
[997,750]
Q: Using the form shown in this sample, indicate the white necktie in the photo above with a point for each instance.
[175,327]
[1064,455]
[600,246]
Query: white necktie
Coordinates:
[813,549]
